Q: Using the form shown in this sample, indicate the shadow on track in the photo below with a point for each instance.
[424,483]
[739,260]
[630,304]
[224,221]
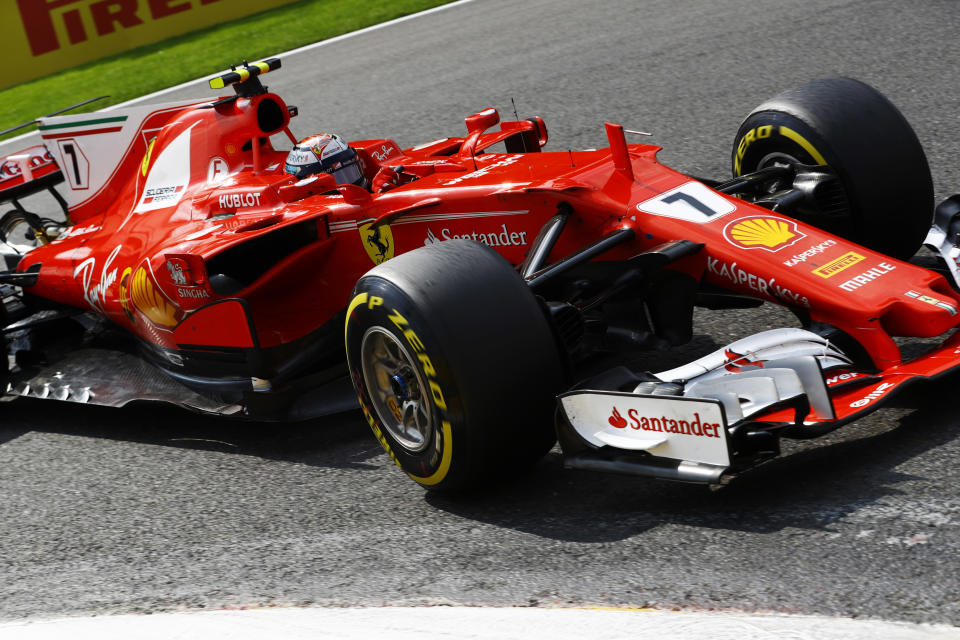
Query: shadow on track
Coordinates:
[340,441]
[335,441]
[814,484]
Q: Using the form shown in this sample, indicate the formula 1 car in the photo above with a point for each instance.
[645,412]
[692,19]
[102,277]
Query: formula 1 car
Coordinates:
[191,268]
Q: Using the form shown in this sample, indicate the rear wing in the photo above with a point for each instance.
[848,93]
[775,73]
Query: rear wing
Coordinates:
[26,172]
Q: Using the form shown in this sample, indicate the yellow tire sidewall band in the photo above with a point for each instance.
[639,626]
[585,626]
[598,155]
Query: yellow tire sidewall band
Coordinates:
[756,134]
[446,456]
[790,134]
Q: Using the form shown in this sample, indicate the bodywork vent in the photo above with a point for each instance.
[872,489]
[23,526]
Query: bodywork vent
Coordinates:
[242,264]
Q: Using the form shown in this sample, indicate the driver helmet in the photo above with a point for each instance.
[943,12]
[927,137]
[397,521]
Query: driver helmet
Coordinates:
[326,153]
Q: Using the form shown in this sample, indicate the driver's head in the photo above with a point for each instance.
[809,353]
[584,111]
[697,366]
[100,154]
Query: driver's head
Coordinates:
[326,153]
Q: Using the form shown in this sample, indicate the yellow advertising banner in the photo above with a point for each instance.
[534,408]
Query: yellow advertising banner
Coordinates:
[39,37]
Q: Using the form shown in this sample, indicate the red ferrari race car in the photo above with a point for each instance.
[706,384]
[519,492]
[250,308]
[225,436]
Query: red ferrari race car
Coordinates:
[199,265]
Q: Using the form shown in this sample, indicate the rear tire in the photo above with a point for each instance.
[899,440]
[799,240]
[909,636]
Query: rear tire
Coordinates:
[856,131]
[455,365]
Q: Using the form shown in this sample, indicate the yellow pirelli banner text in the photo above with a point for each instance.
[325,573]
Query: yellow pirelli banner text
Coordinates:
[39,37]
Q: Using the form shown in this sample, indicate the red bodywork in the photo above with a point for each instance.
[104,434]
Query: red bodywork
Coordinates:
[148,267]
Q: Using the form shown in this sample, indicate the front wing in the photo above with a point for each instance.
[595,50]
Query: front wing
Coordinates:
[708,420]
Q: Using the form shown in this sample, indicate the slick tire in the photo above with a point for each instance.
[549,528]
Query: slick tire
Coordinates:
[887,204]
[455,365]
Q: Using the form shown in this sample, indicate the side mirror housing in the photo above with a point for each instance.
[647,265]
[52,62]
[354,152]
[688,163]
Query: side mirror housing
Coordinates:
[311,186]
[482,120]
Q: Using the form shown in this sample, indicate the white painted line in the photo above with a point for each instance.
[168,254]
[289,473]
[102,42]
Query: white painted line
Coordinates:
[308,47]
[467,623]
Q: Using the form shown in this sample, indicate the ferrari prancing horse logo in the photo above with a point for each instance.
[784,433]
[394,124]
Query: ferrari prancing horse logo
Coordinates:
[378,242]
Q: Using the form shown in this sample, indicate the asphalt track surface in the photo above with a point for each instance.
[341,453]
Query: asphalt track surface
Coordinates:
[148,509]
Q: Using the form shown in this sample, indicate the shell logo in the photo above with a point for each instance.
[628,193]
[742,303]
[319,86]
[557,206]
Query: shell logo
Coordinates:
[151,302]
[771,234]
[125,279]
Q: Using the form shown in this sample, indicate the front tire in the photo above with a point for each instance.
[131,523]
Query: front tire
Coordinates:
[887,199]
[455,365]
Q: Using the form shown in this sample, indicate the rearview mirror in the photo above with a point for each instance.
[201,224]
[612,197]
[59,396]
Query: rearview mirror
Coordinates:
[312,186]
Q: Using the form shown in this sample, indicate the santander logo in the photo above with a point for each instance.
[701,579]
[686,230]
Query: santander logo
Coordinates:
[616,420]
[665,424]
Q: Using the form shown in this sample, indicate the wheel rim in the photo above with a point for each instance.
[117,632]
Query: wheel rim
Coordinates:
[831,210]
[397,390]
[776,159]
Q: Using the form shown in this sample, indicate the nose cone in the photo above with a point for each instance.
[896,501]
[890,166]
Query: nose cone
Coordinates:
[921,312]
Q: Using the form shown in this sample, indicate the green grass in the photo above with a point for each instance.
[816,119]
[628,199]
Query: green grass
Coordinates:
[182,58]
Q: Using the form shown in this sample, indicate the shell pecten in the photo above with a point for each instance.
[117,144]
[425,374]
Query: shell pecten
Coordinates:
[762,232]
[151,302]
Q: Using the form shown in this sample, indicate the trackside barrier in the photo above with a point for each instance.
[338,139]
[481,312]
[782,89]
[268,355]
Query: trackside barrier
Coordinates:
[41,37]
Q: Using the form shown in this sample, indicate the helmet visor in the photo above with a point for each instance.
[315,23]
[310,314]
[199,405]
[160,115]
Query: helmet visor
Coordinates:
[348,174]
